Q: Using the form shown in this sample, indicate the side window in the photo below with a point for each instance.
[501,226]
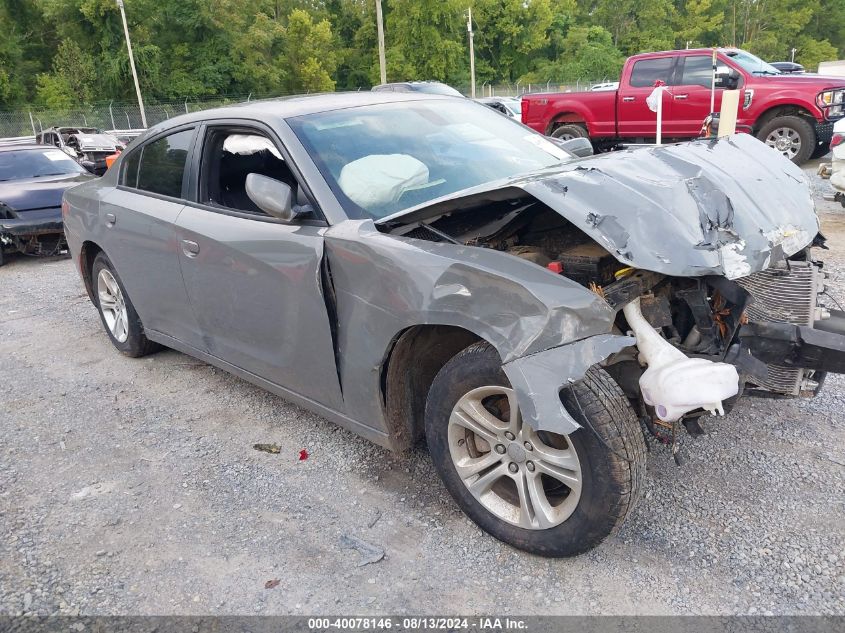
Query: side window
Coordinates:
[228,157]
[161,164]
[647,71]
[698,71]
[129,175]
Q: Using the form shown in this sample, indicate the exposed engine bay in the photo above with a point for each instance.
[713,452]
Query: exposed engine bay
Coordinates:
[692,355]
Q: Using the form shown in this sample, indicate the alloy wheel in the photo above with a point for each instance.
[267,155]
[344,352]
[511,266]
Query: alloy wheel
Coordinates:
[785,140]
[112,305]
[527,478]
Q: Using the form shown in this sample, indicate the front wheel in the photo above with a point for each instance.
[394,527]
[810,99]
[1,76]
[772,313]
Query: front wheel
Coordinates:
[545,493]
[792,136]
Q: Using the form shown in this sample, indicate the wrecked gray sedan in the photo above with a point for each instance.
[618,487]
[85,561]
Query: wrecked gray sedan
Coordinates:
[416,266]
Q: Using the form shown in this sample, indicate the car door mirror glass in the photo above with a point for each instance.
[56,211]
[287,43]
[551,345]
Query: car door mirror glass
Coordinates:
[272,196]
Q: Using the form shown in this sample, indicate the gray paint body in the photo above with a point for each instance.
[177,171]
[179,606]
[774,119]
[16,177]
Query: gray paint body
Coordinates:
[253,298]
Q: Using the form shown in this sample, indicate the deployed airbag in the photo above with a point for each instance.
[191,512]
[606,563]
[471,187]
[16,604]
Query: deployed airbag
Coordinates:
[380,179]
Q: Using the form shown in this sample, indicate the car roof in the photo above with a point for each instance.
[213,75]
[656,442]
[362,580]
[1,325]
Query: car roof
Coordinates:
[288,107]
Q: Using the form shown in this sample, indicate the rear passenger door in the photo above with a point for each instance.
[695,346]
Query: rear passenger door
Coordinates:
[634,118]
[139,236]
[255,282]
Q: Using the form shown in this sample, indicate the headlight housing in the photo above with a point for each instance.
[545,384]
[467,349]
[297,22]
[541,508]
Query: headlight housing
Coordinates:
[831,102]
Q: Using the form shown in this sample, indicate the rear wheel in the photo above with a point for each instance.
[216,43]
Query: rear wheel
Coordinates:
[569,131]
[792,136]
[546,493]
[122,323]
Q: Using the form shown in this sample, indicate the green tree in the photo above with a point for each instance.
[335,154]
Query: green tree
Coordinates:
[510,32]
[428,37]
[810,52]
[309,54]
[72,80]
[587,53]
[699,23]
[69,51]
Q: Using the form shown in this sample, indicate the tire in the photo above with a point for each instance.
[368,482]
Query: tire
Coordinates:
[122,323]
[569,131]
[793,136]
[820,150]
[611,469]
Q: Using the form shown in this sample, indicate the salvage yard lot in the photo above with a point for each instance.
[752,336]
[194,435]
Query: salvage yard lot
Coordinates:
[132,486]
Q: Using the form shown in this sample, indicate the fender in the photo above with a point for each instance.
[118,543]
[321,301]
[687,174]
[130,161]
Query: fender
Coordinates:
[782,99]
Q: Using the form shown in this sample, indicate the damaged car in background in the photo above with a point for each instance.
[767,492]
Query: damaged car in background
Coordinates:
[32,181]
[88,146]
[419,267]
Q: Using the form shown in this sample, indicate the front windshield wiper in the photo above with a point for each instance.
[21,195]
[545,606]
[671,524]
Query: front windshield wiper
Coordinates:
[765,72]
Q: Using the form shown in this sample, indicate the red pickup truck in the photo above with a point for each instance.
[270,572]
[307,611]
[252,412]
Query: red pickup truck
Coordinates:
[792,113]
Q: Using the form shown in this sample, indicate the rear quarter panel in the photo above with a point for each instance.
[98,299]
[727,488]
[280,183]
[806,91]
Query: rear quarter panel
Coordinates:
[81,219]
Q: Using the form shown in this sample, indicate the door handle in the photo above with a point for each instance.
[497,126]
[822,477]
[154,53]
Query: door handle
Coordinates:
[190,248]
[681,97]
[110,219]
[628,98]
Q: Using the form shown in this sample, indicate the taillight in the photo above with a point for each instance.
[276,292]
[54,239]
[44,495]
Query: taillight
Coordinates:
[65,208]
[836,140]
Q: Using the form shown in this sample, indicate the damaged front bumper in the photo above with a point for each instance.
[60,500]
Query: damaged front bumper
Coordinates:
[539,378]
[33,234]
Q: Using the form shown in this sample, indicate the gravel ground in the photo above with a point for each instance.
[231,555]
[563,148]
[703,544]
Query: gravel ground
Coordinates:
[131,487]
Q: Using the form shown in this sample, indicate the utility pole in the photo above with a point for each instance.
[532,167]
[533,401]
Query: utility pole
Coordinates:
[381,63]
[792,59]
[471,53]
[132,63]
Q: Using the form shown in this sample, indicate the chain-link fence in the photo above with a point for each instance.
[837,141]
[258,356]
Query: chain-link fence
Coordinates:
[127,116]
[107,116]
[518,89]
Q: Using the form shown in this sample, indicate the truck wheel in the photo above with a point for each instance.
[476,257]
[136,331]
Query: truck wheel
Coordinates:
[792,136]
[569,131]
[545,493]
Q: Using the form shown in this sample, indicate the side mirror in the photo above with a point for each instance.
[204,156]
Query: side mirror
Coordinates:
[580,146]
[727,77]
[272,196]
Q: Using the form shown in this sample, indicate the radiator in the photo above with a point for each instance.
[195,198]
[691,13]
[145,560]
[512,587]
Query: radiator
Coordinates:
[786,293]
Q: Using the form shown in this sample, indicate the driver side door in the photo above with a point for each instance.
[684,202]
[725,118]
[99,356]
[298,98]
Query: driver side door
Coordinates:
[254,282]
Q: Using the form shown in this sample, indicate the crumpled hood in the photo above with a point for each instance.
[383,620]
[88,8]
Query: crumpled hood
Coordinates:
[96,142]
[726,207]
